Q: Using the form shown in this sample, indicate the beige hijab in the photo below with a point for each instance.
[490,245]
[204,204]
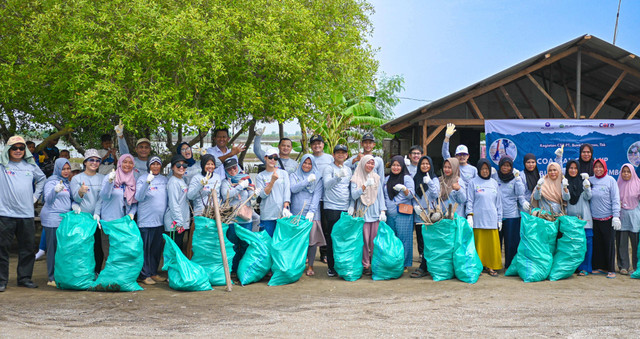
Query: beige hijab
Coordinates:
[446,182]
[360,177]
[551,190]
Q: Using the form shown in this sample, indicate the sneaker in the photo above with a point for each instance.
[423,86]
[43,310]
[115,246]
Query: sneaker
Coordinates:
[331,272]
[158,278]
[3,287]
[40,255]
[51,283]
[149,281]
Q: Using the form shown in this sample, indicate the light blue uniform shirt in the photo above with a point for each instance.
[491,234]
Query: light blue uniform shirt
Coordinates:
[323,161]
[152,200]
[582,209]
[16,188]
[91,202]
[271,205]
[372,213]
[400,198]
[336,194]
[413,169]
[300,196]
[549,205]
[467,172]
[510,193]
[199,194]
[55,203]
[379,167]
[459,197]
[290,165]
[114,205]
[605,199]
[430,198]
[236,195]
[484,201]
[177,205]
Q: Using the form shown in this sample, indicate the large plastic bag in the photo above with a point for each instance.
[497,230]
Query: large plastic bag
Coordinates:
[387,261]
[347,246]
[535,252]
[466,262]
[439,241]
[256,261]
[289,250]
[571,248]
[75,263]
[183,274]
[206,249]
[125,259]
[636,273]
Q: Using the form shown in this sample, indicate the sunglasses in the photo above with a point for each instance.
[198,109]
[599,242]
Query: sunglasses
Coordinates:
[181,165]
[17,148]
[94,160]
[272,157]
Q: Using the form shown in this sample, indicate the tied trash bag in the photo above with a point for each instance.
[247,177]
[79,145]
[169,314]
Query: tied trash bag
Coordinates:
[466,262]
[535,252]
[347,246]
[439,245]
[387,261]
[206,249]
[289,250]
[571,248]
[256,262]
[183,274]
[75,264]
[125,257]
[636,273]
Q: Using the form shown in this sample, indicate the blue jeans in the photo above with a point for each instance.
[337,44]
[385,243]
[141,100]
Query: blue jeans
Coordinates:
[269,226]
[511,233]
[586,264]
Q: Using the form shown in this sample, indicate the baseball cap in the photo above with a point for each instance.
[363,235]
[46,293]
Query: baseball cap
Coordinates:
[143,140]
[176,159]
[91,153]
[315,137]
[16,139]
[462,149]
[271,151]
[230,162]
[368,136]
[340,147]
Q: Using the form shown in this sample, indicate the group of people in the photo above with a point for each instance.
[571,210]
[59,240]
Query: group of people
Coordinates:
[320,187]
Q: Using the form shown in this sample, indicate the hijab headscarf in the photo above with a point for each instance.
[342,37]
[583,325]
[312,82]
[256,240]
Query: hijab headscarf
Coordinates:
[552,189]
[189,161]
[360,177]
[509,176]
[604,164]
[484,161]
[153,159]
[57,171]
[302,175]
[575,183]
[585,166]
[28,157]
[395,179]
[234,178]
[531,176]
[446,182]
[203,162]
[126,180]
[629,189]
[418,178]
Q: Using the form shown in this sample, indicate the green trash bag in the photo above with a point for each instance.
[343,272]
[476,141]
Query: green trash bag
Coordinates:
[289,250]
[636,273]
[347,246]
[534,258]
[256,261]
[75,263]
[125,257]
[571,248]
[439,241]
[466,262]
[387,261]
[183,274]
[206,249]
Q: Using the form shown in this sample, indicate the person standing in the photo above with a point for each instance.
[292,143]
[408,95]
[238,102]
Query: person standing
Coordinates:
[415,153]
[368,143]
[285,146]
[586,159]
[203,184]
[467,172]
[511,191]
[453,189]
[177,218]
[629,187]
[578,206]
[275,191]
[398,195]
[529,180]
[18,173]
[221,151]
[549,193]
[427,186]
[316,143]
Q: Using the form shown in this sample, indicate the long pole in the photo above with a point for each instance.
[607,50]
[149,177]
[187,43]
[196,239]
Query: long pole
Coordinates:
[223,250]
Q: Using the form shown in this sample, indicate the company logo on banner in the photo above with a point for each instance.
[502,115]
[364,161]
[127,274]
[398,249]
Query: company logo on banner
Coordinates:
[615,141]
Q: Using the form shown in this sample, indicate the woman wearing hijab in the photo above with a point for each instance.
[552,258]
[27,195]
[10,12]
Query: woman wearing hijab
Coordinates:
[483,197]
[367,194]
[151,193]
[306,191]
[193,166]
[427,187]
[586,159]
[549,194]
[453,189]
[57,200]
[529,180]
[629,186]
[398,193]
[118,195]
[203,183]
[580,193]
[605,211]
[511,190]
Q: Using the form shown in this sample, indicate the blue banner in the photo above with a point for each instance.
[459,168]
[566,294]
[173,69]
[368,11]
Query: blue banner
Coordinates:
[615,141]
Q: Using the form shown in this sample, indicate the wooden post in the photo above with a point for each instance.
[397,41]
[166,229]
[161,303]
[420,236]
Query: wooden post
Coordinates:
[635,111]
[223,250]
[579,85]
[424,137]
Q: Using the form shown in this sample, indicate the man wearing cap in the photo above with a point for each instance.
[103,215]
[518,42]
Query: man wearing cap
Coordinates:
[221,151]
[336,179]
[85,192]
[467,172]
[368,143]
[18,173]
[415,153]
[284,147]
[177,217]
[316,143]
[275,191]
[143,150]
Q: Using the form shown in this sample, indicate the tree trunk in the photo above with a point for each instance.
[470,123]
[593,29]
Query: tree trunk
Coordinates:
[252,134]
[58,134]
[303,140]
[281,129]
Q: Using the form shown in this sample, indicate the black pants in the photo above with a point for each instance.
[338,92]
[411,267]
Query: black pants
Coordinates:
[332,217]
[97,250]
[323,223]
[604,246]
[152,245]
[52,246]
[418,228]
[24,230]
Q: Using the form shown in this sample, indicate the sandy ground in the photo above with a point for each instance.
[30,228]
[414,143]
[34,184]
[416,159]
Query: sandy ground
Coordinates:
[331,307]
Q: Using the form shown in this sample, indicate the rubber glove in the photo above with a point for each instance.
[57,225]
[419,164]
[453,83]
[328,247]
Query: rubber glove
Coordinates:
[451,128]
[470,220]
[399,187]
[286,213]
[369,182]
[516,173]
[426,179]
[112,176]
[383,216]
[260,131]
[585,176]
[59,187]
[350,210]
[97,219]
[243,183]
[345,171]
[309,216]
[499,226]
[311,178]
[586,183]
[257,191]
[526,206]
[204,181]
[119,128]
[339,173]
[418,209]
[565,182]
[76,209]
[493,171]
[407,162]
[559,151]
[150,178]
[540,182]
[616,224]
[130,216]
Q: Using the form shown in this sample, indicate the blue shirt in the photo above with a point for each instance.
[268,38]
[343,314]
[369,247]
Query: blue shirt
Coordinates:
[300,196]
[16,188]
[430,198]
[272,204]
[605,200]
[372,212]
[467,172]
[582,209]
[459,197]
[114,206]
[90,202]
[484,201]
[400,198]
[177,205]
[152,200]
[336,194]
[235,195]
[55,203]
[199,194]
[510,193]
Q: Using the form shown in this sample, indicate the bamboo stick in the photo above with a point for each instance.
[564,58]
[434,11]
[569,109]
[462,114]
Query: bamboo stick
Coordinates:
[223,250]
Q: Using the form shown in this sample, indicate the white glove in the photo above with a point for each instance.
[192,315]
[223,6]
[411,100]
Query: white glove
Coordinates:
[310,216]
[204,181]
[565,182]
[339,173]
[244,183]
[311,178]
[616,224]
[260,131]
[35,200]
[585,176]
[150,178]
[426,179]
[59,187]
[383,216]
[286,213]
[369,182]
[344,171]
[112,176]
[399,187]
[451,128]
[350,210]
[559,151]
[526,206]
[257,191]
[586,183]
[130,216]
[470,220]
[516,173]
[540,182]
[407,162]
[499,226]
[418,209]
[119,128]
[97,219]
[493,171]
[76,209]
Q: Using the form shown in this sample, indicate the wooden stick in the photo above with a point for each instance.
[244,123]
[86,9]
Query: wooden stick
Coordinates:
[223,250]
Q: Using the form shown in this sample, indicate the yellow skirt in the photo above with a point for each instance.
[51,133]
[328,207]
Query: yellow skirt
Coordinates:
[488,247]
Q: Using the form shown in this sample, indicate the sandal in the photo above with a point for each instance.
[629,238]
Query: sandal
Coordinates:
[624,272]
[310,273]
[611,275]
[324,259]
[492,273]
[419,273]
[598,272]
[583,273]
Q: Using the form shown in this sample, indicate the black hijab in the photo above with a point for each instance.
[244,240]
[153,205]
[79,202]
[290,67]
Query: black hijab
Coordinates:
[204,160]
[505,177]
[481,162]
[575,183]
[585,166]
[417,179]
[395,179]
[532,176]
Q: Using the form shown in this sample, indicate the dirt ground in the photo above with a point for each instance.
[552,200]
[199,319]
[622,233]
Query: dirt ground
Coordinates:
[331,307]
